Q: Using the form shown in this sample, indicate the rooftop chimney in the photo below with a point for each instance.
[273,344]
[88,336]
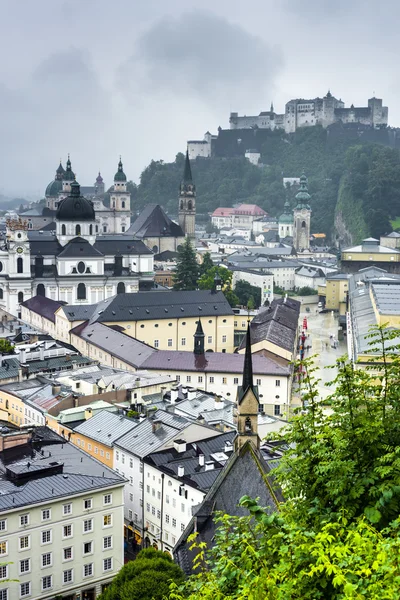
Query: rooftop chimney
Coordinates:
[191,393]
[41,352]
[228,446]
[218,403]
[181,471]
[156,425]
[174,395]
[22,356]
[180,446]
[55,389]
[201,460]
[209,465]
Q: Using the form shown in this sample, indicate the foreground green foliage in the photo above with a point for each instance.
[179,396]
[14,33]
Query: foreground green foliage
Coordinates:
[337,535]
[6,347]
[146,578]
[187,267]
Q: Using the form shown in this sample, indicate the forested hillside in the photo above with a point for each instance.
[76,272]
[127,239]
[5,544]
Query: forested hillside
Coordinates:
[353,185]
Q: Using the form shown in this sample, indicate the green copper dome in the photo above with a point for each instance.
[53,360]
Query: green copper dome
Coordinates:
[287,215]
[54,188]
[120,175]
[69,174]
[303,197]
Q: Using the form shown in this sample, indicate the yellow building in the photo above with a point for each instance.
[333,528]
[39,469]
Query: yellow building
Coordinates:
[336,290]
[368,253]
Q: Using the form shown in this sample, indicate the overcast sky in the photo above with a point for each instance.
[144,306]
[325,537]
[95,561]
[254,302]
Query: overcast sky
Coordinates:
[100,78]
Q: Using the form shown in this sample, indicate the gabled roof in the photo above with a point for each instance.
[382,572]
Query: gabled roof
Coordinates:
[105,427]
[79,247]
[154,222]
[43,306]
[114,244]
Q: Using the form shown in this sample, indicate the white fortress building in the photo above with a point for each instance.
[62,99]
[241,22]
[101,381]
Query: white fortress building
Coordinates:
[317,111]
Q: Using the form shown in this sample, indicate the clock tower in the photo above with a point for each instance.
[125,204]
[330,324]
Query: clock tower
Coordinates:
[18,249]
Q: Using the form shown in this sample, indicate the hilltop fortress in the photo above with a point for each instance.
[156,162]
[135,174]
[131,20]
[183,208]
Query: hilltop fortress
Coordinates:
[298,113]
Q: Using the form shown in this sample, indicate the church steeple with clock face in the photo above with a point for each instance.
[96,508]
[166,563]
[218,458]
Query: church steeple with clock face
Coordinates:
[18,248]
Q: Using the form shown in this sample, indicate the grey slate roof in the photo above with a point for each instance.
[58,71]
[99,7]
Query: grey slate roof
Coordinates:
[141,306]
[79,312]
[119,344]
[80,472]
[79,247]
[141,440]
[154,222]
[246,472]
[114,244]
[46,307]
[106,427]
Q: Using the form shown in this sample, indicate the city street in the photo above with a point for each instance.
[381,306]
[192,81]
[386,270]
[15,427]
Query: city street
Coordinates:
[320,327]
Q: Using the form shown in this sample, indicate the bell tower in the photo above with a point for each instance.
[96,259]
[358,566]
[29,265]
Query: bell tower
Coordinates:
[247,403]
[302,217]
[187,201]
[18,249]
[120,201]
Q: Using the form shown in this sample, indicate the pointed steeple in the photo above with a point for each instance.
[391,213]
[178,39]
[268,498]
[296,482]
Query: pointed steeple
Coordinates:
[199,339]
[248,364]
[187,173]
[303,197]
[120,175]
[272,107]
[69,174]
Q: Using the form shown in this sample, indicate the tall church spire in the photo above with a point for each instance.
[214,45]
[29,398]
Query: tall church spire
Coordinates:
[187,173]
[187,200]
[199,339]
[247,402]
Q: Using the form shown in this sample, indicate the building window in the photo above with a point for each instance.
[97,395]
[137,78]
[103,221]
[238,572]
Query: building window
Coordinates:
[88,548]
[67,509]
[24,520]
[63,230]
[173,522]
[88,570]
[178,378]
[81,267]
[209,339]
[87,525]
[211,379]
[46,514]
[277,410]
[40,290]
[170,343]
[200,379]
[3,548]
[67,552]
[3,571]
[258,381]
[87,503]
[183,342]
[188,378]
[20,265]
[107,542]
[81,293]
[77,230]
[107,499]
[24,565]
[47,582]
[224,380]
[46,559]
[156,343]
[277,383]
[3,525]
[236,381]
[224,339]
[107,520]
[107,564]
[24,542]
[46,536]
[25,589]
[121,288]
[4,594]
[67,531]
[68,576]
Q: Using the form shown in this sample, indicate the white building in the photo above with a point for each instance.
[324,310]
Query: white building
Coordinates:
[241,216]
[61,534]
[201,148]
[307,276]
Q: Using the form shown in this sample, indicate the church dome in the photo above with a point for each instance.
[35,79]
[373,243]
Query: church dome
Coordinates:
[75,207]
[303,197]
[60,171]
[54,187]
[120,175]
[99,178]
[287,216]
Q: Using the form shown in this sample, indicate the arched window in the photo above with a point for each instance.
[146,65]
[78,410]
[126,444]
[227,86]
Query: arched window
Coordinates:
[20,265]
[20,297]
[81,267]
[247,426]
[190,205]
[40,291]
[1,294]
[123,229]
[303,224]
[104,228]
[121,288]
[155,249]
[81,291]
[97,229]
[30,225]
[1,266]
[90,229]
[77,230]
[63,230]
[181,205]
[123,204]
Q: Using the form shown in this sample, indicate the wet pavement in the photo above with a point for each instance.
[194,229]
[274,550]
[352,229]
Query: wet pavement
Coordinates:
[320,327]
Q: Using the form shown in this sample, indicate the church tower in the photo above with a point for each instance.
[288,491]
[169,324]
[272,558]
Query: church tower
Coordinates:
[68,178]
[285,222]
[247,403]
[302,217]
[199,339]
[120,202]
[187,201]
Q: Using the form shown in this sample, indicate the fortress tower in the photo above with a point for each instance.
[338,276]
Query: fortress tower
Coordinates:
[187,201]
[302,217]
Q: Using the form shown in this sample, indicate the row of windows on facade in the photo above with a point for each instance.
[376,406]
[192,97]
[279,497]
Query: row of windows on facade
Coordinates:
[67,553]
[47,582]
[182,323]
[183,341]
[78,229]
[211,379]
[46,535]
[81,443]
